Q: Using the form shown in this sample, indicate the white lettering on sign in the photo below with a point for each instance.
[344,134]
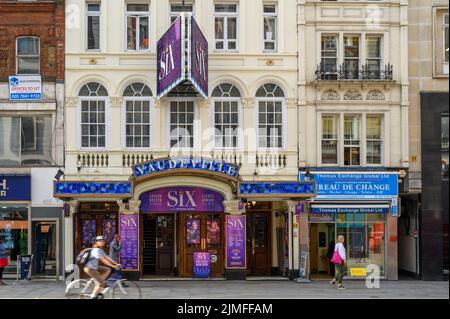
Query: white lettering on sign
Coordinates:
[128,222]
[200,58]
[3,187]
[235,223]
[181,199]
[167,63]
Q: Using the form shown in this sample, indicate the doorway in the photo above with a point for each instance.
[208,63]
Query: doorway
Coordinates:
[201,232]
[259,244]
[158,244]
[321,241]
[45,249]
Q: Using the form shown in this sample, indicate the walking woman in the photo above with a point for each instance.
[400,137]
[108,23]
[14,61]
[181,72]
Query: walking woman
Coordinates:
[3,260]
[340,260]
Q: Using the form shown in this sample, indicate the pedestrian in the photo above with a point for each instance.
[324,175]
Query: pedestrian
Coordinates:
[114,248]
[330,253]
[340,261]
[3,260]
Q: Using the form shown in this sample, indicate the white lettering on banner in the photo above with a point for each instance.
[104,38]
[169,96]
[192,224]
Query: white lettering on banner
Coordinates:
[4,188]
[128,222]
[177,199]
[3,184]
[369,187]
[167,63]
[200,57]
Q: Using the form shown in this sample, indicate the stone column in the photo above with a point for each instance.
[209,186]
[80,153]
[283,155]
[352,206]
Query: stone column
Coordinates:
[204,129]
[294,243]
[232,207]
[249,136]
[69,237]
[114,134]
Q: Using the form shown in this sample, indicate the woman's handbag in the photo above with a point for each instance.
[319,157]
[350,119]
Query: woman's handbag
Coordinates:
[337,259]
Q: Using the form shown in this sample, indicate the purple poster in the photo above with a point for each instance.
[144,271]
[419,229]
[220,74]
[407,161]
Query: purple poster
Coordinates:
[193,231]
[181,199]
[88,232]
[199,59]
[109,230]
[202,264]
[129,233]
[235,235]
[170,62]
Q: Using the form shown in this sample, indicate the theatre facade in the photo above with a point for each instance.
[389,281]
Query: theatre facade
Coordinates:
[187,148]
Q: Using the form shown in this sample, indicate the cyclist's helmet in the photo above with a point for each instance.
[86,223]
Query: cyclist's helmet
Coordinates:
[99,238]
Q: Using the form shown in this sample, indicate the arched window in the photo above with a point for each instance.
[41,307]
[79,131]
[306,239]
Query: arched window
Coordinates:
[93,119]
[27,55]
[137,98]
[226,100]
[270,116]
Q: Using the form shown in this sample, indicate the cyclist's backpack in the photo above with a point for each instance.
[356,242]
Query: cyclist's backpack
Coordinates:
[84,256]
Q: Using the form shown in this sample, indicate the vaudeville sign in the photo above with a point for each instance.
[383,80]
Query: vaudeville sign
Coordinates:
[180,50]
[200,164]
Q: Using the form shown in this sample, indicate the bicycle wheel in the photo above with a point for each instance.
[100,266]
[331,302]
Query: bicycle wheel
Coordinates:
[79,289]
[124,289]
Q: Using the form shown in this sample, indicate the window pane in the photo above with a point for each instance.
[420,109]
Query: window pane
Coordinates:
[28,65]
[269,9]
[93,7]
[93,32]
[131,32]
[137,7]
[28,46]
[232,28]
[373,47]
[329,127]
[351,47]
[329,152]
[374,152]
[143,33]
[446,49]
[373,125]
[351,128]
[226,8]
[269,28]
[36,140]
[9,140]
[219,28]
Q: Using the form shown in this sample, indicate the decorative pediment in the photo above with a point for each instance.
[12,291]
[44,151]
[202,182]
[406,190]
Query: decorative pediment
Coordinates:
[330,94]
[353,94]
[375,95]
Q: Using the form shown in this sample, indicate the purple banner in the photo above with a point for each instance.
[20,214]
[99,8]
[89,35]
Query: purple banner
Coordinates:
[235,234]
[181,199]
[129,233]
[88,232]
[170,64]
[202,264]
[199,59]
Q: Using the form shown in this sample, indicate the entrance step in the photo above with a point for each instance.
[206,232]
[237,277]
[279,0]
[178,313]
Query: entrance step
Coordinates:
[266,278]
[181,279]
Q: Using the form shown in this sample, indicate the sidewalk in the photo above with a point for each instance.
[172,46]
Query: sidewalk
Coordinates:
[248,289]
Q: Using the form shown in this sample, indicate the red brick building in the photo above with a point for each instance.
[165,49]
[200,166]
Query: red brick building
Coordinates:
[32,130]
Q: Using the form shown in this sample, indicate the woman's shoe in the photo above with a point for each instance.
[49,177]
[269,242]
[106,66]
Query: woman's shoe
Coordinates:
[340,287]
[333,283]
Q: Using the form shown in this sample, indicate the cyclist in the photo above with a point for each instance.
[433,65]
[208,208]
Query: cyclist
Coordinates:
[94,270]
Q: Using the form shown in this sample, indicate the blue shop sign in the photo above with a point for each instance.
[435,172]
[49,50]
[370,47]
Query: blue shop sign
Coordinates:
[351,186]
[349,210]
[15,188]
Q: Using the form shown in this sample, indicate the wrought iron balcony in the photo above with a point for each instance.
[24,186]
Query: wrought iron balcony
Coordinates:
[366,72]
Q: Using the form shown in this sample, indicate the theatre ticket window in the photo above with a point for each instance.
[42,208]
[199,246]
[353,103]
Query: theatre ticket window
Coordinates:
[14,232]
[364,240]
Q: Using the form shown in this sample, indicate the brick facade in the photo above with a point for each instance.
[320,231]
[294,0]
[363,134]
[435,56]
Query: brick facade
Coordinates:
[43,19]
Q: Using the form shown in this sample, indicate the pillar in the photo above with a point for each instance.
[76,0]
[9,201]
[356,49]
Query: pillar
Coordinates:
[69,237]
[294,240]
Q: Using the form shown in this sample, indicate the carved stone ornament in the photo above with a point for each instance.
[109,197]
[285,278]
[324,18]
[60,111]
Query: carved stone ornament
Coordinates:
[330,94]
[353,94]
[375,95]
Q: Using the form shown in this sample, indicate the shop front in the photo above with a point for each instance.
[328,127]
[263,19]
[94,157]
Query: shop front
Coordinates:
[189,218]
[363,207]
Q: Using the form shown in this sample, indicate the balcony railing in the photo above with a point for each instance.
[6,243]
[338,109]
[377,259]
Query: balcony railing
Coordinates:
[366,72]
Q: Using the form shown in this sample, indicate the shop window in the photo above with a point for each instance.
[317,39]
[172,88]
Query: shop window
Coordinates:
[270,116]
[138,27]
[226,100]
[137,115]
[364,240]
[270,27]
[177,8]
[441,41]
[182,124]
[93,115]
[26,140]
[226,27]
[28,56]
[93,26]
[14,232]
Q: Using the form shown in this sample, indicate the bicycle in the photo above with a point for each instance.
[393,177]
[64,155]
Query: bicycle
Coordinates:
[119,289]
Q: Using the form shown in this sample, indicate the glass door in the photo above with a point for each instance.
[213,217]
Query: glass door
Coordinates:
[45,249]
